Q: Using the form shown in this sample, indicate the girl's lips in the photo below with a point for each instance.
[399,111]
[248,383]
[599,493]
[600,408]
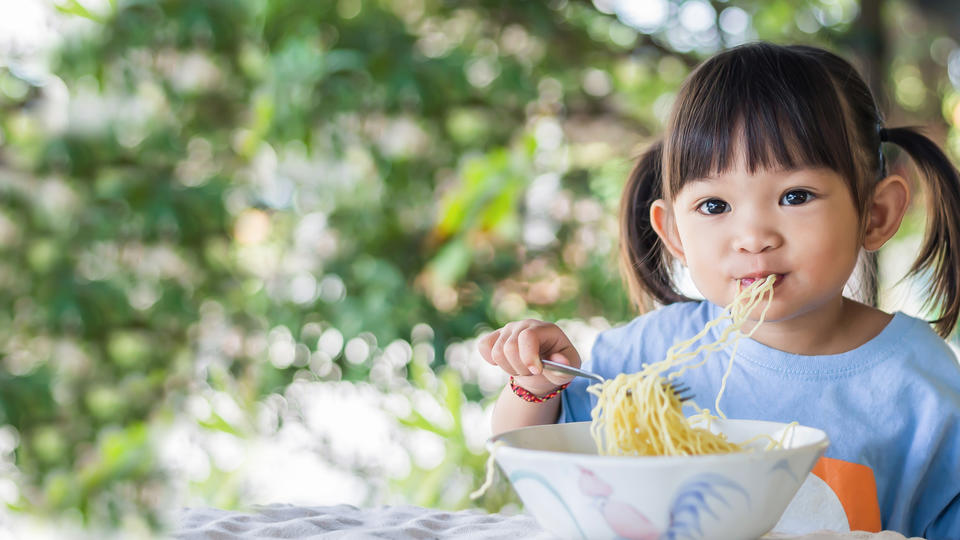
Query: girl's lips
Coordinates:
[747,281]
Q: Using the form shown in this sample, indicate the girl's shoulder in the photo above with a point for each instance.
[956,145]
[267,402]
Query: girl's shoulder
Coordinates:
[924,350]
[916,365]
[698,310]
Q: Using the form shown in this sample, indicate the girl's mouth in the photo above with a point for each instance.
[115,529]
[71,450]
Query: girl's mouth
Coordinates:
[747,281]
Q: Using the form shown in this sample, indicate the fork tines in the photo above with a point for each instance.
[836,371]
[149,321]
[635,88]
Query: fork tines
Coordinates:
[678,390]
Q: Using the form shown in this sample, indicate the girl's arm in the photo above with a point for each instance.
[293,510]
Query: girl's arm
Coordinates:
[511,412]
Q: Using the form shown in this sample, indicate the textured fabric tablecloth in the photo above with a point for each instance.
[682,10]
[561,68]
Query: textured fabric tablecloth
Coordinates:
[345,521]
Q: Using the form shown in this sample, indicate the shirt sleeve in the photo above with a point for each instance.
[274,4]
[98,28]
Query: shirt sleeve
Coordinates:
[936,506]
[947,525]
[942,483]
[623,349]
[606,359]
[577,403]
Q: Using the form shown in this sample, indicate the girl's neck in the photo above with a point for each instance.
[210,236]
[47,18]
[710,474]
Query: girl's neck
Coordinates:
[838,327]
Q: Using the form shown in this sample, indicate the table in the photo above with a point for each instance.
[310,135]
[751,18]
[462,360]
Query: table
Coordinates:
[346,521]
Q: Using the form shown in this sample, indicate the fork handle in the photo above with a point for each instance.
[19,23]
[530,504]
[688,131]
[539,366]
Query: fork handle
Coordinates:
[570,370]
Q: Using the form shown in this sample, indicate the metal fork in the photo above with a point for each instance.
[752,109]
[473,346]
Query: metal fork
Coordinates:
[676,387]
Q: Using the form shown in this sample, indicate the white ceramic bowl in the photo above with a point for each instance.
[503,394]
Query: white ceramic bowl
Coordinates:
[575,493]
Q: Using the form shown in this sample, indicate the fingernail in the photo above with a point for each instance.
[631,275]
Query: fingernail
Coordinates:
[534,370]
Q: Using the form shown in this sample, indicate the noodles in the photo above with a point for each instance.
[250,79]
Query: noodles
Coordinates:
[639,415]
[491,470]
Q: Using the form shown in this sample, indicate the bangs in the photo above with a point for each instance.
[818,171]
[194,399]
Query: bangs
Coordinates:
[773,107]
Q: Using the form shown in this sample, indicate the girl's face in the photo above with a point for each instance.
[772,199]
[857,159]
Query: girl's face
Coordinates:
[799,224]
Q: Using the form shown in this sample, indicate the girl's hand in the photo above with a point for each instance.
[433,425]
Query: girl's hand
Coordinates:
[518,347]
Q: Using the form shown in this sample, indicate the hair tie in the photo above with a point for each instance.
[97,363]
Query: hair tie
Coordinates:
[883,135]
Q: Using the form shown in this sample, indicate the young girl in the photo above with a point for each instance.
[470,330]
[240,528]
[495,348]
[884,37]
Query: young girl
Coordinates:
[772,163]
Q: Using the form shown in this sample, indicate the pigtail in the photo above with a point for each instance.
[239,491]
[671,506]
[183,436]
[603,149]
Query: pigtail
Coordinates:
[644,263]
[941,247]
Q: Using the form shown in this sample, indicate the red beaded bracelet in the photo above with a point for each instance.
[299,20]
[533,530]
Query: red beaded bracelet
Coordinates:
[527,395]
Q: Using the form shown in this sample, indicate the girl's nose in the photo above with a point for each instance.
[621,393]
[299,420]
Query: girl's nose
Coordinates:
[757,237]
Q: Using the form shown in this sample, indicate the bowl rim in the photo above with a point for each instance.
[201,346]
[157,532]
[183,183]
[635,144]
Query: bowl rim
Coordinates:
[820,445]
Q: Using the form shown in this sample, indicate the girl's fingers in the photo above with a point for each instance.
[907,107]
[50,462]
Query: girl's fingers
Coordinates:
[497,352]
[528,347]
[555,377]
[517,349]
[512,354]
[485,344]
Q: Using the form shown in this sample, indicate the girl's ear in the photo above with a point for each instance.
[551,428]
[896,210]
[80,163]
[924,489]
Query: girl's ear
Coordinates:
[664,224]
[886,211]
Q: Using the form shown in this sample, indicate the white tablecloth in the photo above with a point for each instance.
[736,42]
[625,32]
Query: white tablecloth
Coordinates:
[345,521]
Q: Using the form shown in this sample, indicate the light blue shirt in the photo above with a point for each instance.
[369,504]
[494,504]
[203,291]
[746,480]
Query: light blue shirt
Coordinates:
[892,404]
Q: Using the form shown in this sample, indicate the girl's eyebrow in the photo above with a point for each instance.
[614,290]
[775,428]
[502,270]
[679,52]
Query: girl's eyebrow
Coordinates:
[706,179]
[713,179]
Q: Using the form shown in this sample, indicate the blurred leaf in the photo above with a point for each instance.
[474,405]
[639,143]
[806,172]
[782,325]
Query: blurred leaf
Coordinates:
[74,7]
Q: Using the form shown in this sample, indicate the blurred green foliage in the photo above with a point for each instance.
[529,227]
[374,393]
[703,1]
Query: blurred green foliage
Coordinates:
[201,191]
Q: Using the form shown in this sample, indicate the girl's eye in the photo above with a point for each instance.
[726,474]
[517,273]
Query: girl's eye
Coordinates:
[713,206]
[796,196]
